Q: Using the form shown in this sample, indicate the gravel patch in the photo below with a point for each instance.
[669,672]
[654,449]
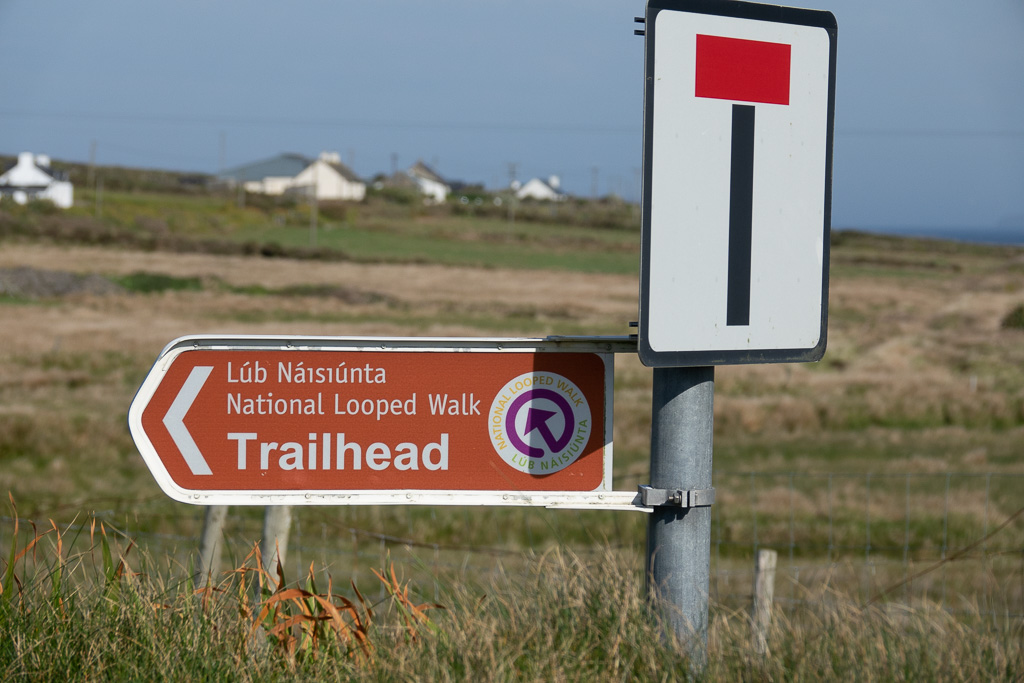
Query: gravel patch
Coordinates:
[34,283]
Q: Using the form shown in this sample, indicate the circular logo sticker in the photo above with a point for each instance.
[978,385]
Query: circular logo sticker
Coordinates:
[539,423]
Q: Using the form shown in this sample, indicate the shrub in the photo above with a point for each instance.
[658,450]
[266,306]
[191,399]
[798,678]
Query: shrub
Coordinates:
[148,283]
[1014,320]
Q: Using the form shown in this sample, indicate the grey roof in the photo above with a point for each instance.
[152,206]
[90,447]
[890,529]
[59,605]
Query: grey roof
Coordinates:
[281,166]
[345,172]
[401,179]
[48,170]
[421,170]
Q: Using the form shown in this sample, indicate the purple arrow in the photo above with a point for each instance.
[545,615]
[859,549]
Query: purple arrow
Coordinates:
[537,419]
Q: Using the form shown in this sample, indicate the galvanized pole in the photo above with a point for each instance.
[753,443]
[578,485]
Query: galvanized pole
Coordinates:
[679,538]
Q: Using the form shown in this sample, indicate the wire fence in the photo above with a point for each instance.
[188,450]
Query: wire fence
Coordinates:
[950,539]
[955,540]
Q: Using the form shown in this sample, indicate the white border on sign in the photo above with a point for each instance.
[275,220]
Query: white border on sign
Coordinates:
[600,498]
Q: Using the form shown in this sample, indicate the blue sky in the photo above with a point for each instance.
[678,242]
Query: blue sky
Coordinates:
[930,95]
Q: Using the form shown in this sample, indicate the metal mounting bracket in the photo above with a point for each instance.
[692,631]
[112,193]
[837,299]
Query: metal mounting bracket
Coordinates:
[694,498]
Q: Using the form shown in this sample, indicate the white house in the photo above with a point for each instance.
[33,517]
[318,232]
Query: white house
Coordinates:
[541,190]
[32,178]
[431,184]
[296,174]
[330,179]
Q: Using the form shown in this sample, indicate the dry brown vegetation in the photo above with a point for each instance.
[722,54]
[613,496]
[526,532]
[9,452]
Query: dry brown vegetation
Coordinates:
[924,374]
[920,374]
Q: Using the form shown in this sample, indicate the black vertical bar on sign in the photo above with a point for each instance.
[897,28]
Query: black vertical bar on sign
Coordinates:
[741,209]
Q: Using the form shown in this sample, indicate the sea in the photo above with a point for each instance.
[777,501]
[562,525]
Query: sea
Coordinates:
[1004,236]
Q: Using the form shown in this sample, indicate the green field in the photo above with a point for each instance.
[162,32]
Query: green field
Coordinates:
[898,454]
[533,237]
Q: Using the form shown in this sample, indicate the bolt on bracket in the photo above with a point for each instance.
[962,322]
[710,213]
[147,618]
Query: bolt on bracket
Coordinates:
[692,498]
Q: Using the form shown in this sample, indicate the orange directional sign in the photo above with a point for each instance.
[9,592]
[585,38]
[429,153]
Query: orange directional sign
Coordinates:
[324,421]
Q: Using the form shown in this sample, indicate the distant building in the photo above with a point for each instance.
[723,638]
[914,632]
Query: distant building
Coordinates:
[541,190]
[420,179]
[269,176]
[400,180]
[325,176]
[330,179]
[431,184]
[32,178]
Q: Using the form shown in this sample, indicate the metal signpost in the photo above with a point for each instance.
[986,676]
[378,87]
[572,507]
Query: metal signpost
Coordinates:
[738,125]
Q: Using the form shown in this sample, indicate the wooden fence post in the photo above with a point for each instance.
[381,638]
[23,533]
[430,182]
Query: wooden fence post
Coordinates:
[277,520]
[764,593]
[210,543]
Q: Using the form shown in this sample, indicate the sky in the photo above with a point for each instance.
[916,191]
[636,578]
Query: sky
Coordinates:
[929,95]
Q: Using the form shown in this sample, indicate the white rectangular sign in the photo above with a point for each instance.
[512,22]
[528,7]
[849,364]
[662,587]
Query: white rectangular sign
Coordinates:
[739,113]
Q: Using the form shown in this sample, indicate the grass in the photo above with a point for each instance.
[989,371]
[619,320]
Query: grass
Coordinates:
[485,322]
[80,604]
[900,448]
[370,232]
[558,251]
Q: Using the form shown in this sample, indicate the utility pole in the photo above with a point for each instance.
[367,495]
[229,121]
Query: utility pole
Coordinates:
[92,164]
[314,207]
[222,151]
[512,166]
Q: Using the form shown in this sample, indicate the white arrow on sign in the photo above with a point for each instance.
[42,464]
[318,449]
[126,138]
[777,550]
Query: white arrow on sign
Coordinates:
[174,420]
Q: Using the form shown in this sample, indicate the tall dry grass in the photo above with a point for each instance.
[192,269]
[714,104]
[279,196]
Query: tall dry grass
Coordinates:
[87,605]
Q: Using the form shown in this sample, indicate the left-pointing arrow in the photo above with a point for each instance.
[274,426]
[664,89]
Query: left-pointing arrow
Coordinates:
[174,420]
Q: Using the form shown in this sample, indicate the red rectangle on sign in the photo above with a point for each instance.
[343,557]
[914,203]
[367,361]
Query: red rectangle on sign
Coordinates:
[743,70]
